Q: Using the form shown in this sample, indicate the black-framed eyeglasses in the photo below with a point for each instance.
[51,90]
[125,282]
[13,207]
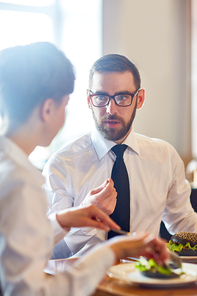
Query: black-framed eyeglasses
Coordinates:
[120,99]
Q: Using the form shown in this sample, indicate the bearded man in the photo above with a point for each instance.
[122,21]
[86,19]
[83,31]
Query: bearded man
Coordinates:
[156,177]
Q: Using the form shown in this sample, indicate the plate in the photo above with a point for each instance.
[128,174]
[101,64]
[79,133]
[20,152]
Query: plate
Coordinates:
[191,259]
[127,272]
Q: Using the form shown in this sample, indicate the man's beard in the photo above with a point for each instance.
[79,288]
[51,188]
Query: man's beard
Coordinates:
[114,134]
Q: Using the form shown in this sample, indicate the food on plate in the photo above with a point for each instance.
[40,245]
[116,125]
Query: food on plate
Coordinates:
[151,269]
[184,243]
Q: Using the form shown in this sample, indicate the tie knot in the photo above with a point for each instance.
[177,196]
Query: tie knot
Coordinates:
[119,150]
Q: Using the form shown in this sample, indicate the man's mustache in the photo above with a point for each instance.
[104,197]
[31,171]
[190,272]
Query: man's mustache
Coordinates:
[111,117]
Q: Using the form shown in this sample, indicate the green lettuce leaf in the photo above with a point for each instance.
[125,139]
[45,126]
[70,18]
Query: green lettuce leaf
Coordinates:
[178,247]
[151,265]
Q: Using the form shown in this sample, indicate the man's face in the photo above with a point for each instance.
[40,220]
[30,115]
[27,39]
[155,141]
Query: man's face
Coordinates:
[114,122]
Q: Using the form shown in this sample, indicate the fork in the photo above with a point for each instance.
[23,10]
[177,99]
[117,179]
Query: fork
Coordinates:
[174,262]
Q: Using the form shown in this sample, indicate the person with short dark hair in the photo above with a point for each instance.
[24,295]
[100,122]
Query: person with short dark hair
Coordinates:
[157,185]
[35,83]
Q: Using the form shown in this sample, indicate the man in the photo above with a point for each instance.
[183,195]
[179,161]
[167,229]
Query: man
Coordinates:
[158,189]
[35,83]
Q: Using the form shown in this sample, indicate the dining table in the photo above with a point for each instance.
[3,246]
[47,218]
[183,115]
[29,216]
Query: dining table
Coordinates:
[111,286]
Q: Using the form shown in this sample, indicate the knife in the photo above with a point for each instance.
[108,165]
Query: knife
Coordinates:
[120,231]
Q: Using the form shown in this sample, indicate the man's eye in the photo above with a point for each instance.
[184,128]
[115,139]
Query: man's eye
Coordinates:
[101,97]
[122,97]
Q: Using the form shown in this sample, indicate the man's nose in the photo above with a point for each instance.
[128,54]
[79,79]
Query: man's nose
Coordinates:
[111,108]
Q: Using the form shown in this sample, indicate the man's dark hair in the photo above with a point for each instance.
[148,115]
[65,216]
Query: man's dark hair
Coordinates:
[114,63]
[29,75]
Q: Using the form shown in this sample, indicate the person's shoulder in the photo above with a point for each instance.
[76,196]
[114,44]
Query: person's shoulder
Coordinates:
[14,174]
[15,166]
[152,141]
[79,146]
[145,142]
[7,166]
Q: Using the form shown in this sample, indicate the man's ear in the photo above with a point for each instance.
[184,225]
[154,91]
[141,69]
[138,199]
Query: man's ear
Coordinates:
[140,98]
[88,99]
[46,109]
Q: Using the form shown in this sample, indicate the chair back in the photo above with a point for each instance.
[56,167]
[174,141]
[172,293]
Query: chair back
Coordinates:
[193,199]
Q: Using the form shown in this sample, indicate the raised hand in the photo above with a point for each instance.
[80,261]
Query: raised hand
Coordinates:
[103,197]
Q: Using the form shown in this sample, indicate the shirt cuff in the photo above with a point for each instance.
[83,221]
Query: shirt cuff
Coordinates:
[58,231]
[101,257]
[104,252]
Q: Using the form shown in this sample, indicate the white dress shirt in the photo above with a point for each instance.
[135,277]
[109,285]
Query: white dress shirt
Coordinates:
[158,189]
[27,236]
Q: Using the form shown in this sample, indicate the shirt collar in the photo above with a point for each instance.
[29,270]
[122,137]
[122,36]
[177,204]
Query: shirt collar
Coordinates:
[102,145]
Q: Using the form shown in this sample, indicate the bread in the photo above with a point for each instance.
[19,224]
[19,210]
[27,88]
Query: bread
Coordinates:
[158,275]
[184,243]
[184,238]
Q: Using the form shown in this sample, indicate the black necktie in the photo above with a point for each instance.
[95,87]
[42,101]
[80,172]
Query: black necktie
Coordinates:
[121,214]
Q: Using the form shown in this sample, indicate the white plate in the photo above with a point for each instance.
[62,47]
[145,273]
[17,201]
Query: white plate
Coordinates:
[189,259]
[128,273]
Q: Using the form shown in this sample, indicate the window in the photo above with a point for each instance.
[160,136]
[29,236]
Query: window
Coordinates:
[194,78]
[75,27]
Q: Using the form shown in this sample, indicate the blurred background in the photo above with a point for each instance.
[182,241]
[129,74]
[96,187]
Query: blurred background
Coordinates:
[160,37]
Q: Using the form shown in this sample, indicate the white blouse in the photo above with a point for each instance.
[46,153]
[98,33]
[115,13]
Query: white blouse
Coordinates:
[27,238]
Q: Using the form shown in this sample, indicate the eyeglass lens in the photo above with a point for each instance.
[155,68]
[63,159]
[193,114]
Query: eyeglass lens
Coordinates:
[103,100]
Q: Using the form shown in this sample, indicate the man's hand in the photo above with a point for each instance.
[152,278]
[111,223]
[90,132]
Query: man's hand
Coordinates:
[89,216]
[140,244]
[103,197]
